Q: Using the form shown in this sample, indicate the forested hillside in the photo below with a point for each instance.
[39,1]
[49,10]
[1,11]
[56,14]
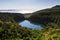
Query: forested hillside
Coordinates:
[46,16]
[17,17]
[50,18]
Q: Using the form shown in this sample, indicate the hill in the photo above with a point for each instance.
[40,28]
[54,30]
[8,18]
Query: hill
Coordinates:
[17,17]
[46,16]
[10,30]
[26,16]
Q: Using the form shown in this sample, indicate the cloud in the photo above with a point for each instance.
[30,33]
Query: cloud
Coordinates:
[27,4]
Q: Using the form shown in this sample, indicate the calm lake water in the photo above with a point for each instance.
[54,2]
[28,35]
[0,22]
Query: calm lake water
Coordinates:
[28,24]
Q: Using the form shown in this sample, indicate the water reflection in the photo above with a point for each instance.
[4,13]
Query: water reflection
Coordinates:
[28,24]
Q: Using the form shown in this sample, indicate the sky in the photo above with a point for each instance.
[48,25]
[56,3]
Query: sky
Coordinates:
[28,5]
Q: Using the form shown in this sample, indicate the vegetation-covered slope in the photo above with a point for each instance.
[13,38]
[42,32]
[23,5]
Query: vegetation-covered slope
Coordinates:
[17,17]
[10,30]
[47,15]
[26,16]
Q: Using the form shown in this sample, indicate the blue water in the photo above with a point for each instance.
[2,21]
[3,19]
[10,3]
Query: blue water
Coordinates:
[28,24]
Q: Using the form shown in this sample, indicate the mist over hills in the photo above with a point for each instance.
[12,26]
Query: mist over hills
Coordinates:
[23,11]
[9,10]
[30,10]
[40,15]
[56,7]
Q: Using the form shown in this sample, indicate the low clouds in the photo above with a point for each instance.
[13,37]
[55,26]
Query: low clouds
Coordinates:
[27,4]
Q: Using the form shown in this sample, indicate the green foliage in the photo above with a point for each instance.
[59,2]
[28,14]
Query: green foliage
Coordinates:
[13,17]
[26,16]
[10,30]
[51,32]
[46,16]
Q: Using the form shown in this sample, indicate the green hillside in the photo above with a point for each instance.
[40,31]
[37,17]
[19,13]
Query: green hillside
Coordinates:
[46,16]
[50,18]
[26,16]
[17,17]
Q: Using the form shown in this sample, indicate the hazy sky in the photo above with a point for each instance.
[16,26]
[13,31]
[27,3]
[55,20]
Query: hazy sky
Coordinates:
[28,4]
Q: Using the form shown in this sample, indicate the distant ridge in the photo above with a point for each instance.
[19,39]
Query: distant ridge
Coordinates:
[46,16]
[9,10]
[57,6]
[54,8]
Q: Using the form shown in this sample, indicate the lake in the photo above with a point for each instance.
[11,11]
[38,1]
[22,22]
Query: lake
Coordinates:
[27,23]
